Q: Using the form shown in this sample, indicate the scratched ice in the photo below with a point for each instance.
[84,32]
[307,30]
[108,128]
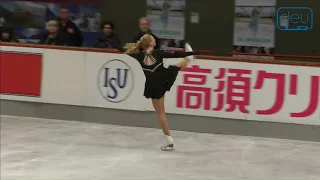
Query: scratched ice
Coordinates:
[40,149]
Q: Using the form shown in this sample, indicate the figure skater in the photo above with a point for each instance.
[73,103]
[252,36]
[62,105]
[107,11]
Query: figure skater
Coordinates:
[254,23]
[158,78]
[165,14]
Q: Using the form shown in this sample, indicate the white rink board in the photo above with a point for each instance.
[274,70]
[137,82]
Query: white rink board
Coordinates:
[108,80]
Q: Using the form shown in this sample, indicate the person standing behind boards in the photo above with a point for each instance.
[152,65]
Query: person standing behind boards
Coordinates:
[69,31]
[144,25]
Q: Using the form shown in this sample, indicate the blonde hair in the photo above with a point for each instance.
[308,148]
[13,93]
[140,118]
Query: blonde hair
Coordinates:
[143,43]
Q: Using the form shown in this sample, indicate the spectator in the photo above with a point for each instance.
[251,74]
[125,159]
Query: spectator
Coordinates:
[7,35]
[107,38]
[182,44]
[69,31]
[53,36]
[144,25]
[2,22]
[172,43]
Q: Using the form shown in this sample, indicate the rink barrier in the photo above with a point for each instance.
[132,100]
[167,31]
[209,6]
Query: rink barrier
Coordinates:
[224,87]
[278,57]
[275,55]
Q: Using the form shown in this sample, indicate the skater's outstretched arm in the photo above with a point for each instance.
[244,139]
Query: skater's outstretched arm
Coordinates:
[167,54]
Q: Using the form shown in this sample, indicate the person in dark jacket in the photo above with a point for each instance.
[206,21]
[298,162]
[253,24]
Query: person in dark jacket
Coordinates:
[69,31]
[7,35]
[107,38]
[53,36]
[144,25]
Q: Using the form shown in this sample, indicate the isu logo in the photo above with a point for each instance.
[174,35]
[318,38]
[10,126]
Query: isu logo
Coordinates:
[115,81]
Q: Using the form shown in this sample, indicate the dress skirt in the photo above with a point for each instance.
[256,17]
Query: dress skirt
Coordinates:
[160,81]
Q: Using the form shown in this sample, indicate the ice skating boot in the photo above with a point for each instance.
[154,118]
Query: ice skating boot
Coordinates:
[188,48]
[168,145]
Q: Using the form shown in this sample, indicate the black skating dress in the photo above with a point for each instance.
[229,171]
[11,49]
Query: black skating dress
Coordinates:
[158,78]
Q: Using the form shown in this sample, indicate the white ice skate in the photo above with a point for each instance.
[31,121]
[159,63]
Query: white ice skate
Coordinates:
[188,48]
[168,145]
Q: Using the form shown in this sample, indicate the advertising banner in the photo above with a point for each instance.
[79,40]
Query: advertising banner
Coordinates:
[168,21]
[265,92]
[254,27]
[114,81]
[20,73]
[42,75]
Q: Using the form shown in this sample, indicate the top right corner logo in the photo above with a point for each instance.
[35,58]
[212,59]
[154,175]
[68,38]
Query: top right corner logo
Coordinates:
[294,18]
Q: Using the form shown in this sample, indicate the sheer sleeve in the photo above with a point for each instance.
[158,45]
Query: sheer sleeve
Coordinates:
[167,54]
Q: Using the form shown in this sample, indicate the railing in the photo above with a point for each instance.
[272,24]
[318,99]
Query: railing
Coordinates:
[275,55]
[203,52]
[205,55]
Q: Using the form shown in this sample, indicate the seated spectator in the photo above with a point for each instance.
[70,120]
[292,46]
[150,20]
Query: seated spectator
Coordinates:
[144,25]
[7,35]
[107,38]
[53,36]
[69,31]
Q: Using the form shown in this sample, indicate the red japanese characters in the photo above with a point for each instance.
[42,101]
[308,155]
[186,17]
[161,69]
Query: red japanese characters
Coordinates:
[232,90]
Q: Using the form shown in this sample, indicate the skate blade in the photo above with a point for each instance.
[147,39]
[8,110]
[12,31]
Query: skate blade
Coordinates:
[169,147]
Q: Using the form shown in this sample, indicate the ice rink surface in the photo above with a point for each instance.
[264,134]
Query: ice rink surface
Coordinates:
[41,149]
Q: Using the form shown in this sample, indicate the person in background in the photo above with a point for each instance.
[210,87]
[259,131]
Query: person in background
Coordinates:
[53,36]
[164,18]
[182,44]
[2,22]
[7,35]
[107,38]
[172,43]
[69,31]
[254,22]
[144,25]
